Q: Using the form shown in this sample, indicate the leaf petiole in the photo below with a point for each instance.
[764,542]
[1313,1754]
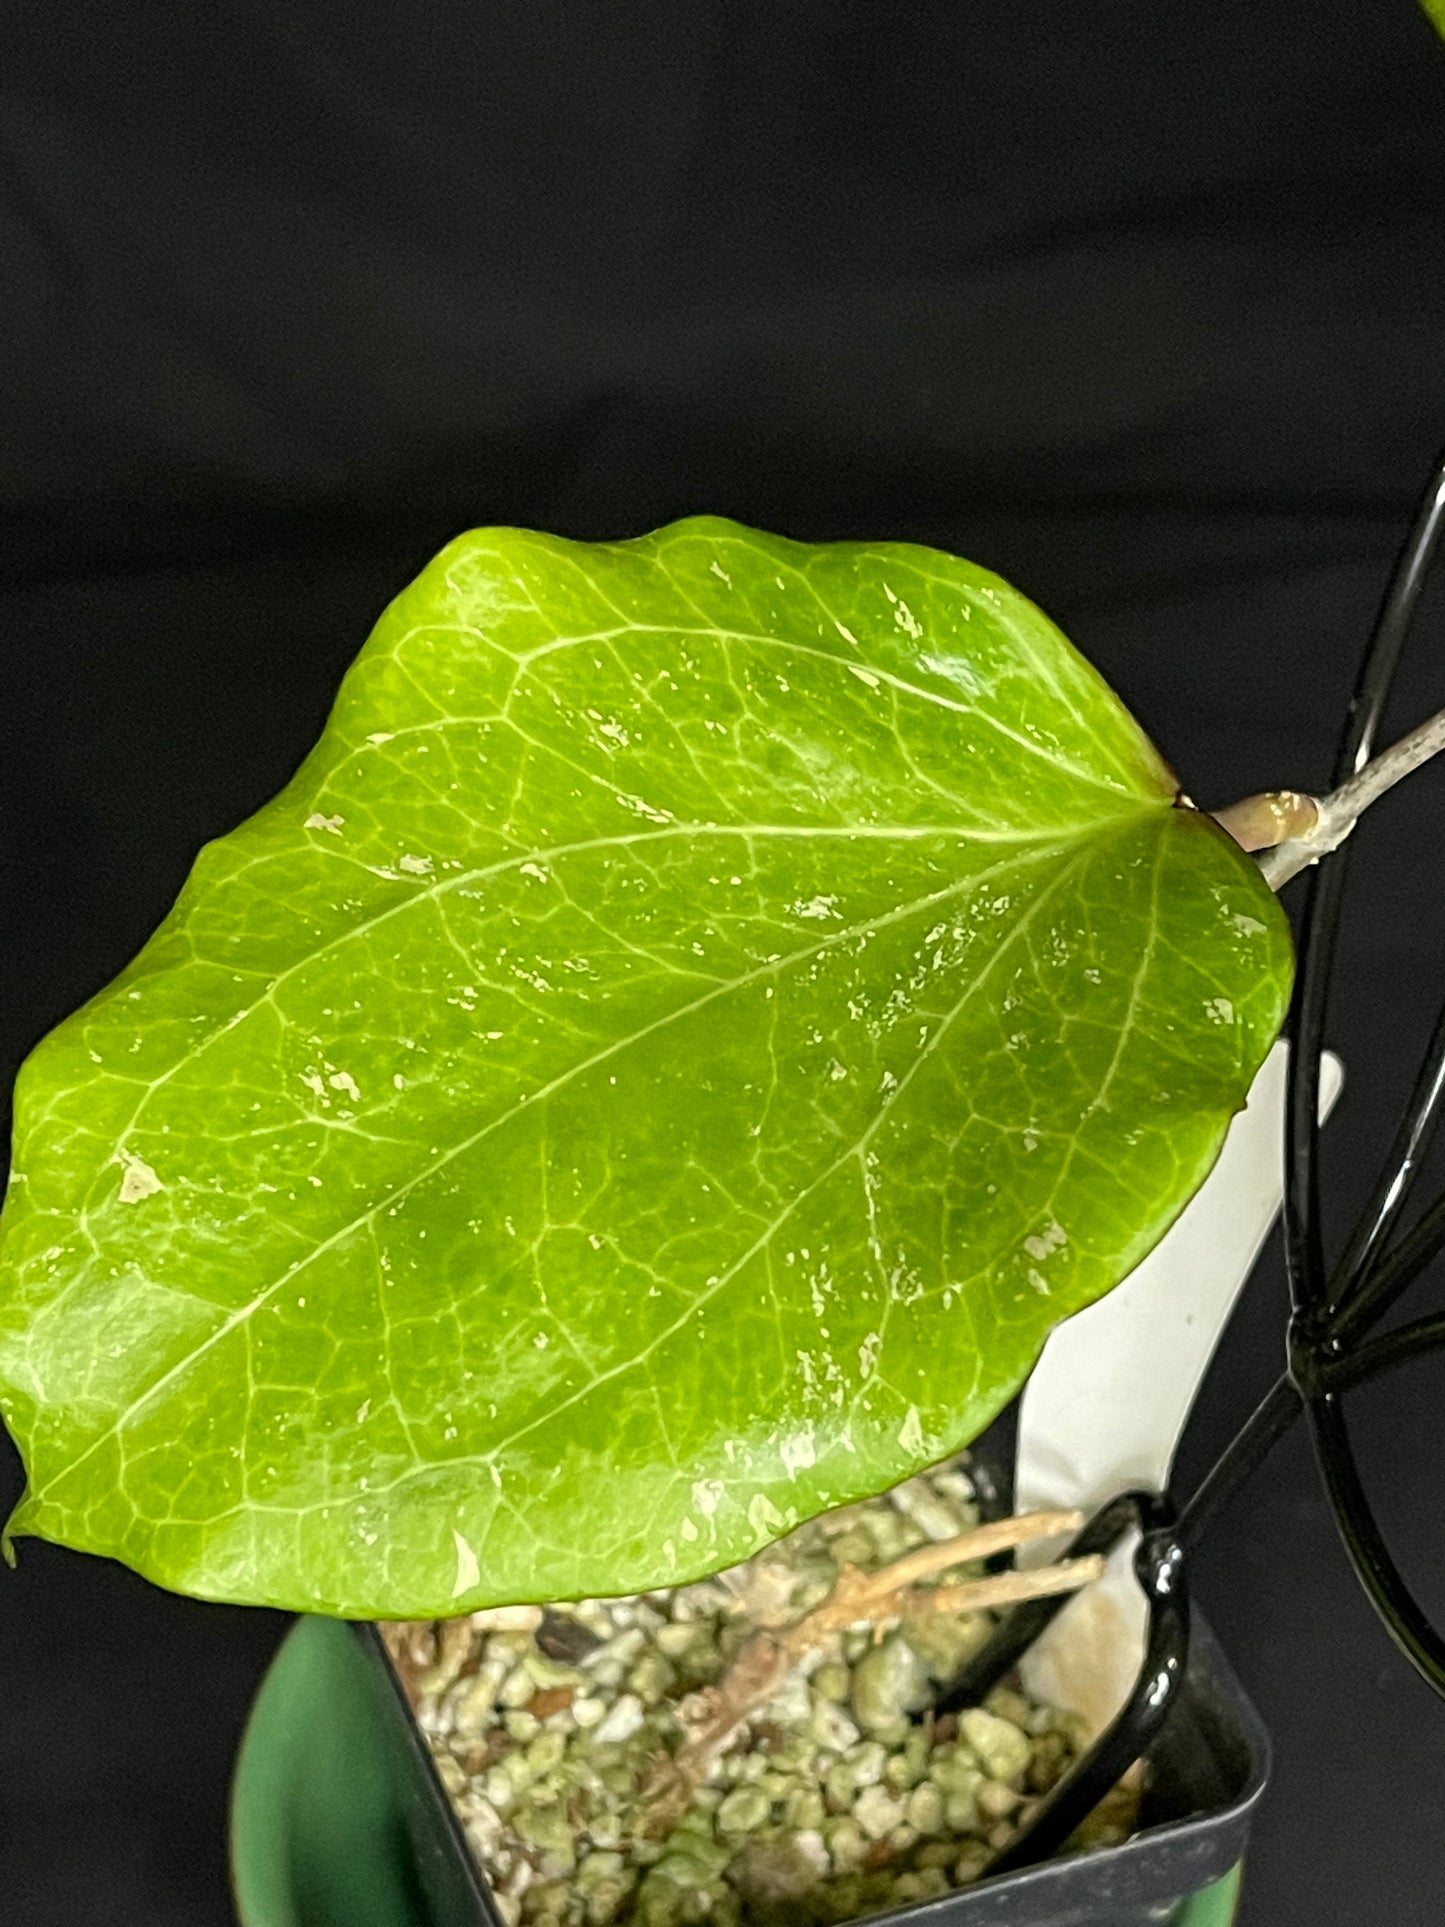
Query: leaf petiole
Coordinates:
[1290,830]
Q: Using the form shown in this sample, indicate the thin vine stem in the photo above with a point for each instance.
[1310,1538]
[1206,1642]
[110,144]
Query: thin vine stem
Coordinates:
[1315,825]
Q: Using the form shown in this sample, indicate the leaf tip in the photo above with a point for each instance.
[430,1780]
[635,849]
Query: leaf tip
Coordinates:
[8,1535]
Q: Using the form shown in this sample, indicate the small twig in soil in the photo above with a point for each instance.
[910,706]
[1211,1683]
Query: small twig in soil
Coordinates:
[875,1599]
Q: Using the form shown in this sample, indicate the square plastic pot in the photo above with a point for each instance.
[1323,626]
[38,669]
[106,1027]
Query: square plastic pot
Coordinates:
[339,1820]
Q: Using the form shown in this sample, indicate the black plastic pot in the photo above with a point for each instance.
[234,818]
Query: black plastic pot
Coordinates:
[339,1819]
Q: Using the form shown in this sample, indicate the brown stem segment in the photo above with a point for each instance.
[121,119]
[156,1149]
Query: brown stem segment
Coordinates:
[1289,831]
[1262,822]
[857,1598]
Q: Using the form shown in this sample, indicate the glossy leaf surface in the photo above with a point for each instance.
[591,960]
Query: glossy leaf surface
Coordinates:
[701,1014]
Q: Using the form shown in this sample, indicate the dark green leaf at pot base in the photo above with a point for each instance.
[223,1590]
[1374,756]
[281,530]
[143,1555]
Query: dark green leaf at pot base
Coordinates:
[701,1014]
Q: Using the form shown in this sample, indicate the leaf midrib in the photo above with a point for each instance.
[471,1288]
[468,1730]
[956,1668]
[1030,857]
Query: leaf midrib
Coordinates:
[430,891]
[524,659]
[854,1151]
[751,542]
[244,1312]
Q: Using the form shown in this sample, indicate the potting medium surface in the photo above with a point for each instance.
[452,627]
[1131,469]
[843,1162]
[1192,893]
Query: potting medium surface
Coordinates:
[573,1742]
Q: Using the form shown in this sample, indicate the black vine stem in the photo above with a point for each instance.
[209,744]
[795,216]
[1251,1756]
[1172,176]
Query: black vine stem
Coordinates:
[1333,1309]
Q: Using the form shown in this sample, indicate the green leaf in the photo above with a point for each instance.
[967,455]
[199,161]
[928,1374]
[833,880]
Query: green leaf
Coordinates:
[704,1010]
[1436,11]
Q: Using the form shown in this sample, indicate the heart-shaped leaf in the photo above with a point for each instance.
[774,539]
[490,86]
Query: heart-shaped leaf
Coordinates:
[701,1014]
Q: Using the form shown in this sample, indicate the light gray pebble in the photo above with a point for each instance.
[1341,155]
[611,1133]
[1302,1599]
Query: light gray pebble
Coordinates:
[679,1637]
[598,1867]
[546,1901]
[705,1600]
[790,1705]
[544,1672]
[1006,1704]
[935,1518]
[960,1813]
[745,1810]
[953,1483]
[945,1640]
[682,1870]
[621,1722]
[867,1760]
[840,1728]
[797,1754]
[731,1637]
[925,1807]
[474,1699]
[516,1689]
[804,1810]
[545,1752]
[841,1786]
[434,1718]
[809,1843]
[548,1830]
[832,1682]
[854,1547]
[956,1770]
[996,1799]
[889,1680]
[624,1649]
[847,1843]
[937,1853]
[1002,1748]
[831,1727]
[483,1835]
[516,1878]
[877,1811]
[651,1678]
[498,1788]
[604,1903]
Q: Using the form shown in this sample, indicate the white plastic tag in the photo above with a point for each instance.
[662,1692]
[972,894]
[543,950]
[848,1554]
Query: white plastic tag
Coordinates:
[1107,1401]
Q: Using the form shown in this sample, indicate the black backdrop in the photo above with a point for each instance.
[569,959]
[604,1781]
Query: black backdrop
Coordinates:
[1143,305]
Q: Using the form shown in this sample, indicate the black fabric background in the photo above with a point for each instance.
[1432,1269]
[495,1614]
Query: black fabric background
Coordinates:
[1142,305]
